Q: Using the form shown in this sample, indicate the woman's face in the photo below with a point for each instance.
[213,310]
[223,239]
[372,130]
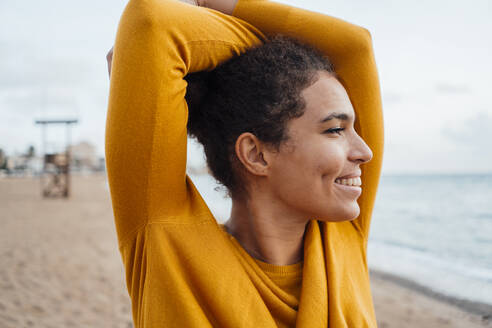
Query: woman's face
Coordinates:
[323,147]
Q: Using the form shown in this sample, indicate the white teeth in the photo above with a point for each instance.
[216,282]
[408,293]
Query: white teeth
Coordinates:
[350,182]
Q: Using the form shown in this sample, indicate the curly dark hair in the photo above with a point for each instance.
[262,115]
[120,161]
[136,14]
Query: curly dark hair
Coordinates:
[258,91]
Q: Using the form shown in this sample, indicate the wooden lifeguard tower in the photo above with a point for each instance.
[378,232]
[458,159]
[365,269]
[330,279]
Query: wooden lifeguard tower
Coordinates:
[55,177]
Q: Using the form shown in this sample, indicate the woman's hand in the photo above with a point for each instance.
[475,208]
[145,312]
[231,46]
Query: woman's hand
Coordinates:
[224,6]
[109,59]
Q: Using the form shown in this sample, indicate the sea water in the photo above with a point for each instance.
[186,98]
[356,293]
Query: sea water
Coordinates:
[437,231]
[433,229]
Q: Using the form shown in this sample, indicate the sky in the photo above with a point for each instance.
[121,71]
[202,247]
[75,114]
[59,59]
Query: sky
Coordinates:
[433,57]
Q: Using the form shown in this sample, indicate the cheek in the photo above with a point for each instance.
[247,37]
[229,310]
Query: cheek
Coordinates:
[307,169]
[292,173]
[329,163]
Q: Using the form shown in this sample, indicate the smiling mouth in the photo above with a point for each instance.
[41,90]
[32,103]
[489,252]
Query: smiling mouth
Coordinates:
[353,182]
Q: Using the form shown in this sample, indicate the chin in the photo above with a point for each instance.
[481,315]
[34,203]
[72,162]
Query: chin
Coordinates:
[341,214]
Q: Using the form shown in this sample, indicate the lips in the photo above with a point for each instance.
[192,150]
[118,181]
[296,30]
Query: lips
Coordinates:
[355,174]
[352,190]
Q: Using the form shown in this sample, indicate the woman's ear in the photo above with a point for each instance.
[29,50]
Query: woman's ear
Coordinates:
[251,152]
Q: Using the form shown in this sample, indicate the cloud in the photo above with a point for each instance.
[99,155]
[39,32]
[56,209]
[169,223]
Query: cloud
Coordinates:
[391,97]
[474,132]
[448,88]
[32,100]
[41,71]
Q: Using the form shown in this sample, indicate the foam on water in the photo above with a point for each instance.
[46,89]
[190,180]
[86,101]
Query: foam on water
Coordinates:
[450,278]
[437,231]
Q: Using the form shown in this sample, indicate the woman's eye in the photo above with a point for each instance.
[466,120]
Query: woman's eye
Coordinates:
[334,130]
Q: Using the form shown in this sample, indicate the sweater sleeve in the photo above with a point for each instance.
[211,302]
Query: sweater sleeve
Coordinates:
[349,48]
[158,42]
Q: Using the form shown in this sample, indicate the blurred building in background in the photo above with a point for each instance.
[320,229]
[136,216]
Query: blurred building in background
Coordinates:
[25,164]
[83,159]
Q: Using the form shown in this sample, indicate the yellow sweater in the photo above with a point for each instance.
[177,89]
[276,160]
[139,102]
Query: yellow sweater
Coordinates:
[182,268]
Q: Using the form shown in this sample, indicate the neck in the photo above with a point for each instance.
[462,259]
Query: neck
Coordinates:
[267,231]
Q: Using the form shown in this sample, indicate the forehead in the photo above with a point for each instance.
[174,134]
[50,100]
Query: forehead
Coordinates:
[327,99]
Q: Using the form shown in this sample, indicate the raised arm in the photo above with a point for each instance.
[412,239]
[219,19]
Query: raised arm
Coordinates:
[349,47]
[157,44]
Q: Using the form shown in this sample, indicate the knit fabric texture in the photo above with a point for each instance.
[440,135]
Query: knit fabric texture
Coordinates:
[182,268]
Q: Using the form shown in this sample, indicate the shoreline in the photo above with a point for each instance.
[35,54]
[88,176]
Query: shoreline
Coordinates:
[481,309]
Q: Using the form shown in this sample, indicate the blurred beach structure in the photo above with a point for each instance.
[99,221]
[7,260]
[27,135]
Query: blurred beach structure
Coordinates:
[83,158]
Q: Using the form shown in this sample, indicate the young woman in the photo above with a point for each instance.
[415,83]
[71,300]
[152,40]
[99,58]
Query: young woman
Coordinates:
[294,143]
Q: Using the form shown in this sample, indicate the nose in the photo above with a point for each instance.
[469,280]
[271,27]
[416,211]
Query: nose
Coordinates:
[360,151]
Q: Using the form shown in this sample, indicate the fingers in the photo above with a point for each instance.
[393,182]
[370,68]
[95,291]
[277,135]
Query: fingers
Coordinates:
[224,6]
[109,59]
[191,2]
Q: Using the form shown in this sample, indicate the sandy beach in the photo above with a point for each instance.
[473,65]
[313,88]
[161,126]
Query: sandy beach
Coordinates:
[60,267]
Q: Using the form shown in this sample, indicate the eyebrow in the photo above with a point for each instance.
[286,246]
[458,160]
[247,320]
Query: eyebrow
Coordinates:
[340,116]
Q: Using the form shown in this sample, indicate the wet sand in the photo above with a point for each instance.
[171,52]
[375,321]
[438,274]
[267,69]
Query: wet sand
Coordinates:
[60,267]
